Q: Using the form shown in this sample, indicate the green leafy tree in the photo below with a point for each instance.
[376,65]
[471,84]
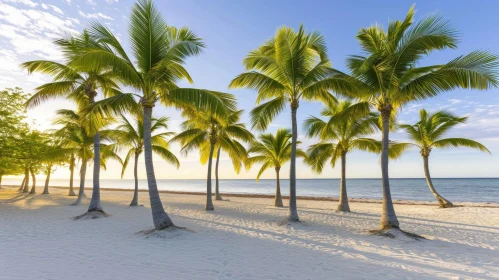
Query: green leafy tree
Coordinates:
[130,135]
[389,75]
[273,151]
[427,134]
[286,69]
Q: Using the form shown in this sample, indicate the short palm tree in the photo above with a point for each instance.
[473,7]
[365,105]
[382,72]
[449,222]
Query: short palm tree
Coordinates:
[230,131]
[427,134]
[286,69]
[338,137]
[159,54]
[53,155]
[81,85]
[74,136]
[130,134]
[206,132]
[273,151]
[389,75]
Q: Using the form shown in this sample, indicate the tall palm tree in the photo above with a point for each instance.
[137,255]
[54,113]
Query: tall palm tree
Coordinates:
[81,85]
[273,151]
[389,75]
[206,132]
[338,137]
[159,52]
[427,135]
[131,136]
[288,68]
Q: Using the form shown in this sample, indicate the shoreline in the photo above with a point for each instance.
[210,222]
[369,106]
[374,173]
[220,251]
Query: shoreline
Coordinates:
[313,198]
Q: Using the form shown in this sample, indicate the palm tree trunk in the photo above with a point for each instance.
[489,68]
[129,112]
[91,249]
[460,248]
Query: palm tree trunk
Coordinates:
[1,175]
[343,203]
[388,217]
[293,212]
[81,192]
[95,201]
[159,216]
[217,193]
[444,203]
[278,198]
[33,187]
[209,202]
[26,183]
[22,183]
[71,173]
[46,189]
[135,176]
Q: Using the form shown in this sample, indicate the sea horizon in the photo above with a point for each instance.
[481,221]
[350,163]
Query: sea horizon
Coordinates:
[415,189]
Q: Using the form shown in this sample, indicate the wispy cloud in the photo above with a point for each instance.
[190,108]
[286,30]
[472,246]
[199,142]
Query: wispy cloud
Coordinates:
[94,15]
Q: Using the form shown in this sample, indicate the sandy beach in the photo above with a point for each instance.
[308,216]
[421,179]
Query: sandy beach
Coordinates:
[242,239]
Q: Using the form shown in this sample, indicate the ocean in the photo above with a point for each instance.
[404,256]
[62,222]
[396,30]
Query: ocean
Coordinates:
[454,189]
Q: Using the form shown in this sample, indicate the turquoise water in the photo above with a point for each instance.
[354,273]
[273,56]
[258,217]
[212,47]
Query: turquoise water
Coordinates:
[454,189]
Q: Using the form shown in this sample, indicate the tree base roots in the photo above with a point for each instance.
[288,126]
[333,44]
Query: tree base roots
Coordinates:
[396,233]
[92,215]
[168,232]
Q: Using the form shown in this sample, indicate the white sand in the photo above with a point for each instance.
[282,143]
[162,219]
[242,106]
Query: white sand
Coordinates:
[241,239]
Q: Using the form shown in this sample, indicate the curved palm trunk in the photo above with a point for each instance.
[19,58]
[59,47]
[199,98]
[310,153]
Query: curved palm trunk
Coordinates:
[46,189]
[95,201]
[209,202]
[278,198]
[343,202]
[217,193]
[388,217]
[33,187]
[26,183]
[81,192]
[71,173]
[293,212]
[159,216]
[22,183]
[135,198]
[444,203]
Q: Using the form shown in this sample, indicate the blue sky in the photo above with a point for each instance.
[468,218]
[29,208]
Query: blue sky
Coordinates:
[231,29]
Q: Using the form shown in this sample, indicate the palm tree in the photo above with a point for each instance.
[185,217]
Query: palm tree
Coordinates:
[427,134]
[230,129]
[81,85]
[273,151]
[53,155]
[338,137]
[75,137]
[205,131]
[287,69]
[389,76]
[131,135]
[159,53]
